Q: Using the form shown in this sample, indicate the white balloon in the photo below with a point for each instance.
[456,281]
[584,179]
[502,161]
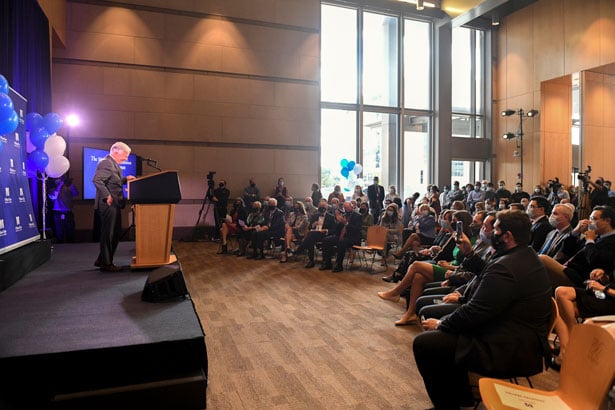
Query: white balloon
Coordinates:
[57,166]
[55,146]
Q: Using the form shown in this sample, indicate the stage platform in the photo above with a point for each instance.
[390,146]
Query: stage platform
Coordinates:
[74,337]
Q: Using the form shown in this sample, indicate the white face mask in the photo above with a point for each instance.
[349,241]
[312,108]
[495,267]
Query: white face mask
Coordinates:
[425,213]
[553,221]
[390,213]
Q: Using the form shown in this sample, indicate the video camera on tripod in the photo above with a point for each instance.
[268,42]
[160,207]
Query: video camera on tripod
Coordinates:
[585,176]
[210,185]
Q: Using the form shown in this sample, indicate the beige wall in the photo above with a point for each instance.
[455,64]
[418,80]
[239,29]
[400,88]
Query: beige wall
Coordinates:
[547,40]
[228,86]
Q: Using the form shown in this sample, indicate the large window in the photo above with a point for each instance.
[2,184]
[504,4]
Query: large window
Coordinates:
[467,83]
[363,101]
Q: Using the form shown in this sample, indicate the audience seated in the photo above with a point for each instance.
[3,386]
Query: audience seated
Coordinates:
[461,283]
[230,226]
[320,225]
[272,228]
[422,230]
[560,218]
[421,273]
[368,220]
[594,251]
[296,228]
[347,234]
[501,331]
[597,298]
[538,210]
[337,193]
[391,221]
[254,219]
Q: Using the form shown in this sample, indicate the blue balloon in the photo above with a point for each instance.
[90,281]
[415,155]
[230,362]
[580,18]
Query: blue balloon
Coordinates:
[38,137]
[350,165]
[40,159]
[344,163]
[5,101]
[33,121]
[8,120]
[345,172]
[52,122]
[4,85]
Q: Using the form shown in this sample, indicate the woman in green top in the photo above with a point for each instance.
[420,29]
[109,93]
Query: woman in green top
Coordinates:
[420,273]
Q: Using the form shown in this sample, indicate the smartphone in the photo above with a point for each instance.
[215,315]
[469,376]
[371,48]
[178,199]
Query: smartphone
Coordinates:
[459,230]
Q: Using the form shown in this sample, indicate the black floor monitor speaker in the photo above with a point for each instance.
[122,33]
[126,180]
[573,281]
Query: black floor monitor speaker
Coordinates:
[165,284]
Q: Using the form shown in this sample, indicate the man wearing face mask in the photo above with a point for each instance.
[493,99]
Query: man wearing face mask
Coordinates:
[474,196]
[320,224]
[560,219]
[501,331]
[375,195]
[519,194]
[347,234]
[502,192]
[220,198]
[537,210]
[272,227]
[592,246]
[599,195]
[251,193]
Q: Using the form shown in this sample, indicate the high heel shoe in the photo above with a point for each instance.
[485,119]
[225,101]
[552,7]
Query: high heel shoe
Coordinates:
[383,295]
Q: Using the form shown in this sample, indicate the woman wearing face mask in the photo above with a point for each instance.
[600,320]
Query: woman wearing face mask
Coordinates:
[337,193]
[358,193]
[391,221]
[424,231]
[392,194]
[280,192]
[231,223]
[296,228]
[368,219]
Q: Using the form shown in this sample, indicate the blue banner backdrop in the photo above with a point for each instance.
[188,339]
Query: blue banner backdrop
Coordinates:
[17,219]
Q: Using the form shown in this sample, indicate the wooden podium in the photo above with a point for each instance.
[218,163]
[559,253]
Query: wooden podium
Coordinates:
[154,198]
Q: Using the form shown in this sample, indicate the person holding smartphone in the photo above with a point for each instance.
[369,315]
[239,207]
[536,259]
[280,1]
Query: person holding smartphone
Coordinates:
[422,272]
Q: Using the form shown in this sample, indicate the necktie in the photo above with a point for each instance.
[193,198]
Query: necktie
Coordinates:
[547,246]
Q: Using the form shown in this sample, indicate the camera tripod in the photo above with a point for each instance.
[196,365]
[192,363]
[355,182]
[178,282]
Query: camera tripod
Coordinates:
[208,206]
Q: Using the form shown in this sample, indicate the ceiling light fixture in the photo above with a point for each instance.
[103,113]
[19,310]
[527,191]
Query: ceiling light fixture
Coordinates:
[420,5]
[495,21]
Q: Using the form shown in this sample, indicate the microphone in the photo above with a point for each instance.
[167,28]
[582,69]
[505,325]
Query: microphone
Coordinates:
[147,159]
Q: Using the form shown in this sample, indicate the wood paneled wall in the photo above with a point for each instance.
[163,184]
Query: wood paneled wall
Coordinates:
[228,86]
[547,40]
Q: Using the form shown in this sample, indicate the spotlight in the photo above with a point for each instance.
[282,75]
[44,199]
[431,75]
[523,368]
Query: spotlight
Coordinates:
[495,21]
[419,5]
[508,136]
[532,113]
[508,113]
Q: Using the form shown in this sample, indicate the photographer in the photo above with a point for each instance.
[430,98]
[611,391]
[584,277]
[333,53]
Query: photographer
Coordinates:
[599,195]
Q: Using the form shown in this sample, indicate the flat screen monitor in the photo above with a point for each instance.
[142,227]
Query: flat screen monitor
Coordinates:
[91,158]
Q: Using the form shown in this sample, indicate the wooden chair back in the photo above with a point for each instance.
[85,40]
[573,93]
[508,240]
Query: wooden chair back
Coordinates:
[376,237]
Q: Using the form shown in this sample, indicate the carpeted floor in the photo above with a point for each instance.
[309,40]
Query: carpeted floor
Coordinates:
[281,336]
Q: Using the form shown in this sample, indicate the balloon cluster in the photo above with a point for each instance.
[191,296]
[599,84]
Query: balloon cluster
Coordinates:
[8,117]
[350,170]
[48,157]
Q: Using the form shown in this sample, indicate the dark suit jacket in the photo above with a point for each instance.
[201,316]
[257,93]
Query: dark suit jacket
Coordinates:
[353,228]
[555,244]
[588,257]
[375,196]
[540,230]
[330,224]
[274,219]
[503,326]
[109,181]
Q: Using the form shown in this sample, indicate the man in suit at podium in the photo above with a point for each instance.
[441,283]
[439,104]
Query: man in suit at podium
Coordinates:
[109,203]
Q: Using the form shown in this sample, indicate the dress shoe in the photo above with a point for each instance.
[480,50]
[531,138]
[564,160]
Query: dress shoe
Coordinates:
[223,250]
[97,263]
[383,295]
[337,268]
[110,268]
[240,254]
[388,278]
[309,265]
[253,256]
[259,257]
[325,266]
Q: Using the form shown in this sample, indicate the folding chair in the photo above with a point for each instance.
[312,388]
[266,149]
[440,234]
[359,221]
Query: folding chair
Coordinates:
[376,242]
